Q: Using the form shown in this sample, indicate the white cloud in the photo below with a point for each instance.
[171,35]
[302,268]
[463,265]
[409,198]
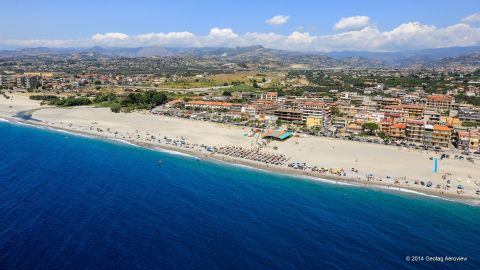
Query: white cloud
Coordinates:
[410,35]
[352,23]
[278,20]
[475,17]
[222,33]
[184,39]
[109,36]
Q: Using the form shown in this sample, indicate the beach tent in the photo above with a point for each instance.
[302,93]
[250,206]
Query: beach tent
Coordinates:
[277,134]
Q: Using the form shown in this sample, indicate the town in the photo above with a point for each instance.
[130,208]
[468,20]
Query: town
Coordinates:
[410,108]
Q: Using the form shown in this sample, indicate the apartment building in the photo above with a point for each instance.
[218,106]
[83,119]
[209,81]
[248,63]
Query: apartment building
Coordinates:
[289,115]
[397,131]
[428,135]
[313,121]
[7,81]
[28,82]
[414,131]
[415,112]
[384,102]
[469,114]
[316,109]
[442,136]
[249,109]
[468,140]
[439,103]
[272,96]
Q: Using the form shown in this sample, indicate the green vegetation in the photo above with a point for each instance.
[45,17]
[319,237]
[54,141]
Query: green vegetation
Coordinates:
[186,84]
[133,101]
[470,124]
[47,98]
[470,100]
[4,94]
[370,128]
[242,87]
[62,102]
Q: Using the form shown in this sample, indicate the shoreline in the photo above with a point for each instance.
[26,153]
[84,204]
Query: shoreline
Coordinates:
[310,176]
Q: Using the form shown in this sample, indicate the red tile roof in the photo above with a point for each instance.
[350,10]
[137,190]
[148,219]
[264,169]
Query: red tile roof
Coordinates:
[440,97]
[210,103]
[441,128]
[399,125]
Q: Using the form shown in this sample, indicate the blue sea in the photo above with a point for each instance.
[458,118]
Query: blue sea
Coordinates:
[71,202]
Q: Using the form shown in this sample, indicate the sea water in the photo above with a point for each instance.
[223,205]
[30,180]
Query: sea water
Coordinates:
[71,202]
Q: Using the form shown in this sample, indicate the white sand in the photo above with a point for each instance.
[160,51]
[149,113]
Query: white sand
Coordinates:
[16,103]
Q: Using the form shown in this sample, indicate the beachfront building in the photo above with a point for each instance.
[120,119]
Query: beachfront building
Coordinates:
[442,136]
[468,140]
[314,121]
[213,105]
[397,131]
[316,109]
[354,128]
[428,135]
[7,81]
[414,131]
[249,109]
[462,140]
[289,115]
[339,122]
[28,82]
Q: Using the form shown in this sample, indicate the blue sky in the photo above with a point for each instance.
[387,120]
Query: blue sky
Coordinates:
[312,22]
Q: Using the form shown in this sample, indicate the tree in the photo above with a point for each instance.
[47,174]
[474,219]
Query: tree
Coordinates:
[115,107]
[370,128]
[227,93]
[336,111]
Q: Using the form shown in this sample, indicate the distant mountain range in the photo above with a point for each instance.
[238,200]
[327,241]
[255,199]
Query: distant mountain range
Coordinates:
[469,56]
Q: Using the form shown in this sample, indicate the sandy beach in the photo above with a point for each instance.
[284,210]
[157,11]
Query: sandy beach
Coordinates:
[386,166]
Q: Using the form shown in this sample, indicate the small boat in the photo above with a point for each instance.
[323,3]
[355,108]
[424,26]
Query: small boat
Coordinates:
[159,162]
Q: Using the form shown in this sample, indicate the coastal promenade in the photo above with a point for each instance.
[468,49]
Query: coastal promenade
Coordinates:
[324,158]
